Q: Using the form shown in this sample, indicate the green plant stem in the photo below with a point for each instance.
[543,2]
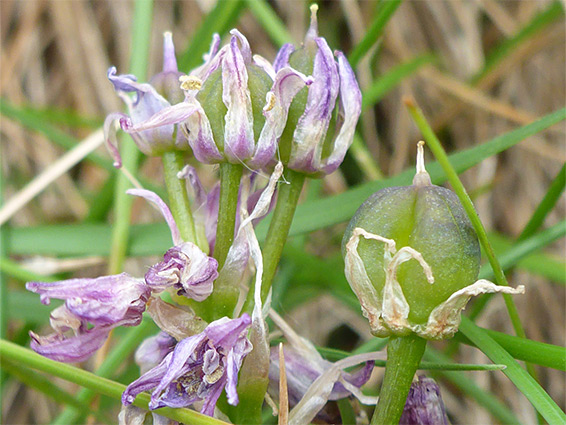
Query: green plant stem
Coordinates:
[178,198]
[287,199]
[21,355]
[143,12]
[230,176]
[403,358]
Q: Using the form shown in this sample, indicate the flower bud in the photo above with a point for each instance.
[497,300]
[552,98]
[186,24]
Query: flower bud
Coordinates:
[307,145]
[421,222]
[424,404]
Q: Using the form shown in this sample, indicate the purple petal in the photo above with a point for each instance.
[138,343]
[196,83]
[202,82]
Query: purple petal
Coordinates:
[102,300]
[311,129]
[176,366]
[234,363]
[146,382]
[265,65]
[199,135]
[238,133]
[70,350]
[165,211]
[153,350]
[110,136]
[212,398]
[169,59]
[424,404]
[350,110]
[357,379]
[282,58]
[212,60]
[244,45]
[288,83]
[225,332]
[165,117]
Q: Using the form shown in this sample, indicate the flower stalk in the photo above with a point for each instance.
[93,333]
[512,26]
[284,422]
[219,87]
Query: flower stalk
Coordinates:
[230,175]
[403,357]
[178,198]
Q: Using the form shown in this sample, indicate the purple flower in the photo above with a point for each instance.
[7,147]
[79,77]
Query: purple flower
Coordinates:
[105,302]
[217,115]
[198,368]
[148,100]
[153,350]
[424,404]
[184,267]
[307,147]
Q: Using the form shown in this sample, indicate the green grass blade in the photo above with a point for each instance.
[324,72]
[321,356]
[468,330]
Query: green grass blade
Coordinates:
[141,32]
[484,398]
[546,205]
[128,343]
[519,376]
[269,21]
[42,384]
[538,23]
[384,13]
[219,20]
[540,353]
[151,239]
[382,85]
[29,120]
[23,356]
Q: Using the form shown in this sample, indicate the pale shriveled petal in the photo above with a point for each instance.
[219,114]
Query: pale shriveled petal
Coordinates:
[175,321]
[445,319]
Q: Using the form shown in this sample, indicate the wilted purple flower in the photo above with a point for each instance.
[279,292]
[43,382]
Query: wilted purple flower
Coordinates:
[302,371]
[424,404]
[148,100]
[305,145]
[106,302]
[198,369]
[221,96]
[153,350]
[184,267]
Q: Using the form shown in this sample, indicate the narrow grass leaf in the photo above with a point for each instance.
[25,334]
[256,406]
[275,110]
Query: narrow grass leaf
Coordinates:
[269,21]
[538,397]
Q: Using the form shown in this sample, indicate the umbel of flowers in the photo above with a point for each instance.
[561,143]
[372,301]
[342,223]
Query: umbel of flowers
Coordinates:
[236,109]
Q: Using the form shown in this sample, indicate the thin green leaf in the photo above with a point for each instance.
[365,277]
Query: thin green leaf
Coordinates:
[27,307]
[141,33]
[154,238]
[42,384]
[384,13]
[386,82]
[540,353]
[471,389]
[546,205]
[20,355]
[538,23]
[269,21]
[520,377]
[219,20]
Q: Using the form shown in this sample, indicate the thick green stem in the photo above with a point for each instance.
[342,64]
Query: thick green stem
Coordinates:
[278,230]
[403,357]
[230,176]
[178,198]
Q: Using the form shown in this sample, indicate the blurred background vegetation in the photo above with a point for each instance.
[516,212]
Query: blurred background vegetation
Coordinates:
[477,68]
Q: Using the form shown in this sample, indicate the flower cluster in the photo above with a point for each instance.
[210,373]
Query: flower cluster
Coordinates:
[236,108]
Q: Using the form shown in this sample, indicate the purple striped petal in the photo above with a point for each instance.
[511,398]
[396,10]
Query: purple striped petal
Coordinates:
[238,133]
[311,129]
[288,83]
[350,110]
[169,59]
[165,211]
[282,58]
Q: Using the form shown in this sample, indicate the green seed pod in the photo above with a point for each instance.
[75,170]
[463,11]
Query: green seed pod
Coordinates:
[422,222]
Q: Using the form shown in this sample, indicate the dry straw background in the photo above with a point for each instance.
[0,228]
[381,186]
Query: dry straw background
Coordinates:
[54,54]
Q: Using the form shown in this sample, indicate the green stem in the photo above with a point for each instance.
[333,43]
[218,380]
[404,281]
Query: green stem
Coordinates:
[230,176]
[403,357]
[178,198]
[21,355]
[278,230]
